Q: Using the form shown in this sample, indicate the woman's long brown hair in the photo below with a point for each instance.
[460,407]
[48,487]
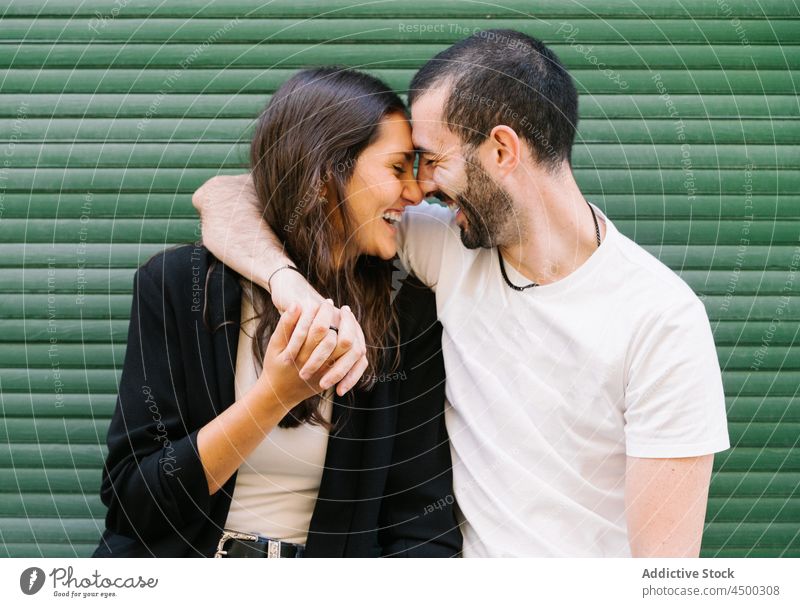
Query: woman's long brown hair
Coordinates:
[310,135]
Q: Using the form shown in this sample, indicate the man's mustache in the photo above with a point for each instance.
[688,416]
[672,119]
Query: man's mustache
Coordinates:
[465,206]
[441,196]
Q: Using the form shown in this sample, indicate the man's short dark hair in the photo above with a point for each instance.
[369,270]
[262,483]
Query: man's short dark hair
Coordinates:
[502,76]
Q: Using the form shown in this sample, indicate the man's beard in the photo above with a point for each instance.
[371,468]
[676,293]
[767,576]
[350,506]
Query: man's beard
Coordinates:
[487,208]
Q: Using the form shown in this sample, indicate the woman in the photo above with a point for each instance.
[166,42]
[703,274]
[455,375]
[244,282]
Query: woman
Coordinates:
[217,446]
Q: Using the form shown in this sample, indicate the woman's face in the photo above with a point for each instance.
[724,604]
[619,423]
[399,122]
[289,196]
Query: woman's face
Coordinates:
[382,186]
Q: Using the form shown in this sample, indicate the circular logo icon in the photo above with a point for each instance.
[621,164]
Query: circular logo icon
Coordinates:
[31,580]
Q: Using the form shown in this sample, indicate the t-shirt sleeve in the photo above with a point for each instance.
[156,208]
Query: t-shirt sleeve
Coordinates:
[421,239]
[674,398]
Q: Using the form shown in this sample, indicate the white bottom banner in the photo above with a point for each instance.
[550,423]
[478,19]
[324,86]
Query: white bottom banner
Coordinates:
[400,582]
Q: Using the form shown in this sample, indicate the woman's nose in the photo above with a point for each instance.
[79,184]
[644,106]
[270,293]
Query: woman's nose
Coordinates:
[413,192]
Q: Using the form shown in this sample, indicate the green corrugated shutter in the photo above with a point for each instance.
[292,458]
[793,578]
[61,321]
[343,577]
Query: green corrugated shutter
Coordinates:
[112,113]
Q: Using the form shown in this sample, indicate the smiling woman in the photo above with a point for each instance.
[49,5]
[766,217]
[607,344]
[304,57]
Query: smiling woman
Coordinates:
[278,464]
[333,152]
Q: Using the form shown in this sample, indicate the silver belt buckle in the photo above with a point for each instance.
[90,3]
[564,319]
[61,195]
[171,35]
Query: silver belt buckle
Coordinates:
[235,535]
[273,549]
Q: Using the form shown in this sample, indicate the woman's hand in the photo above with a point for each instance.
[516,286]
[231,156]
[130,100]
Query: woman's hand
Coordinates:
[325,357]
[280,379]
[228,439]
[338,356]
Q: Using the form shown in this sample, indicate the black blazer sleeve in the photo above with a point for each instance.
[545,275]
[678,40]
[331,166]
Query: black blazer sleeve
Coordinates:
[153,481]
[417,516]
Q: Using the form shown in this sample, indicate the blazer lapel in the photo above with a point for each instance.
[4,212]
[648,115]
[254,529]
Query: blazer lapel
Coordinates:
[331,521]
[224,315]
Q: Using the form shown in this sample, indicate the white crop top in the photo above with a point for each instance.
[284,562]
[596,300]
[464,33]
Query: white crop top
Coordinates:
[277,485]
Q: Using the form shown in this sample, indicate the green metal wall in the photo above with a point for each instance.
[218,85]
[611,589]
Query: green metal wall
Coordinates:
[112,113]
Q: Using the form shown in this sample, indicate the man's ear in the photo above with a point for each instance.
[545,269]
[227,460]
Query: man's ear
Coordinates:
[505,149]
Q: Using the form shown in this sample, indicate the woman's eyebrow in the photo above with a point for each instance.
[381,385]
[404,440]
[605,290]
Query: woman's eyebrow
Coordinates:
[407,156]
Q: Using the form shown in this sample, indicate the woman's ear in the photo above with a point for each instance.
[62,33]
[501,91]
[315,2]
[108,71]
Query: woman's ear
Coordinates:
[324,190]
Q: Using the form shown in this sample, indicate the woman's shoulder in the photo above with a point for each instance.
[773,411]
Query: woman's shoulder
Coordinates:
[178,260]
[180,274]
[177,273]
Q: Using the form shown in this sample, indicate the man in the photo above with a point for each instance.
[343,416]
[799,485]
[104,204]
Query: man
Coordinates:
[585,396]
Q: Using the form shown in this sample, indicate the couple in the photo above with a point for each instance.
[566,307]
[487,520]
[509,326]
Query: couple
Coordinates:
[583,400]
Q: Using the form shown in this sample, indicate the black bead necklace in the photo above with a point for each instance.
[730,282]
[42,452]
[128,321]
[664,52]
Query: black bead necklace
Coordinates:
[536,284]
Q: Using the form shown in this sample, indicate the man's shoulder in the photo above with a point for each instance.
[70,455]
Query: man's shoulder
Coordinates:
[426,221]
[431,210]
[428,239]
[647,279]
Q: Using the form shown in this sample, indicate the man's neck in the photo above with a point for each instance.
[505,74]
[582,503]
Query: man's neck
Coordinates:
[559,232]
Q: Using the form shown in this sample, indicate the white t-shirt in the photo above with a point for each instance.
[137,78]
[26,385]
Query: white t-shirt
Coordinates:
[551,388]
[277,484]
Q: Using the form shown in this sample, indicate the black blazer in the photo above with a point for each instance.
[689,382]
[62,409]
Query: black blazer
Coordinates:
[387,484]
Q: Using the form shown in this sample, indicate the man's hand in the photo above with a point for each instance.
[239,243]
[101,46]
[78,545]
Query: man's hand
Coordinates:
[665,505]
[236,234]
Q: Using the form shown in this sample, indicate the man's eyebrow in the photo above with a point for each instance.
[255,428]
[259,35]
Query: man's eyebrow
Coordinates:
[424,152]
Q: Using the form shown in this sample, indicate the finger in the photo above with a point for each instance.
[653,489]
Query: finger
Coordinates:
[336,315]
[285,328]
[340,368]
[356,334]
[317,332]
[347,334]
[352,377]
[300,332]
[345,355]
[321,354]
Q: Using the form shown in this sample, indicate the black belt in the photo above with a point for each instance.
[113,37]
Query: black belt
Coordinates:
[234,544]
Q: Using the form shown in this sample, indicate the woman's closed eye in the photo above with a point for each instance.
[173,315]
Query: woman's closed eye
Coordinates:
[403,168]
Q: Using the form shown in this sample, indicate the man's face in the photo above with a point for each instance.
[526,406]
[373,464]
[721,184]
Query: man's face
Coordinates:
[454,174]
